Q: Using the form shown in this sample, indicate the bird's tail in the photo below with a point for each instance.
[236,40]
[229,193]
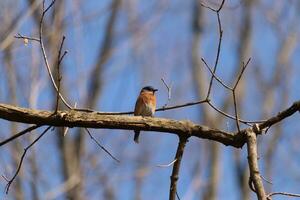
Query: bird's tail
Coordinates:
[136,136]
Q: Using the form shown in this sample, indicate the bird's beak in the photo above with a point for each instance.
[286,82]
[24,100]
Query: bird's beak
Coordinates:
[155,90]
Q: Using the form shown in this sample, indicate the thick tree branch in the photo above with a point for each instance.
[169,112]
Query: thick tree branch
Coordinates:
[281,115]
[255,177]
[10,181]
[93,120]
[175,172]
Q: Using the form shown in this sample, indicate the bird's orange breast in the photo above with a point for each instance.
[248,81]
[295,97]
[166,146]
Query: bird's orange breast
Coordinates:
[145,104]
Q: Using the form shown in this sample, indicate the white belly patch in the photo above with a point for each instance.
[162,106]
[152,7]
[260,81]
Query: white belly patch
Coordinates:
[147,110]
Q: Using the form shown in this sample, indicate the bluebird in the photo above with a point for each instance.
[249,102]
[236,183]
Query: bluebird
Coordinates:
[145,106]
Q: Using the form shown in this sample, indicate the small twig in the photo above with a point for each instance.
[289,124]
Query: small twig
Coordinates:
[232,117]
[215,76]
[234,94]
[131,112]
[19,36]
[64,54]
[213,72]
[22,158]
[283,193]
[102,147]
[268,181]
[50,5]
[171,108]
[177,195]
[44,52]
[212,9]
[31,128]
[182,105]
[242,72]
[5,178]
[169,164]
[219,45]
[175,172]
[169,91]
[42,46]
[60,57]
[232,89]
[59,60]
[208,7]
[236,110]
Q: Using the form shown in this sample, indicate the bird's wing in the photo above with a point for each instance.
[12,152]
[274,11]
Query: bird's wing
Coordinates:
[139,106]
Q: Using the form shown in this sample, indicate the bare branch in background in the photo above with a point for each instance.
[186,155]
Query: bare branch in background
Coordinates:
[176,167]
[101,146]
[10,181]
[31,128]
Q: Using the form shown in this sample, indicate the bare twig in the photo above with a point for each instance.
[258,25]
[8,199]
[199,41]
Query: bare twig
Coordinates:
[212,9]
[215,76]
[131,112]
[282,193]
[22,158]
[169,164]
[182,105]
[241,73]
[234,118]
[232,89]
[102,147]
[42,46]
[17,23]
[219,45]
[234,94]
[59,60]
[31,128]
[168,89]
[236,110]
[175,172]
[268,181]
[177,195]
[44,52]
[19,36]
[213,72]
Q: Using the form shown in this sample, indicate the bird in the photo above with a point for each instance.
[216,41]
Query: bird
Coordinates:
[145,106]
